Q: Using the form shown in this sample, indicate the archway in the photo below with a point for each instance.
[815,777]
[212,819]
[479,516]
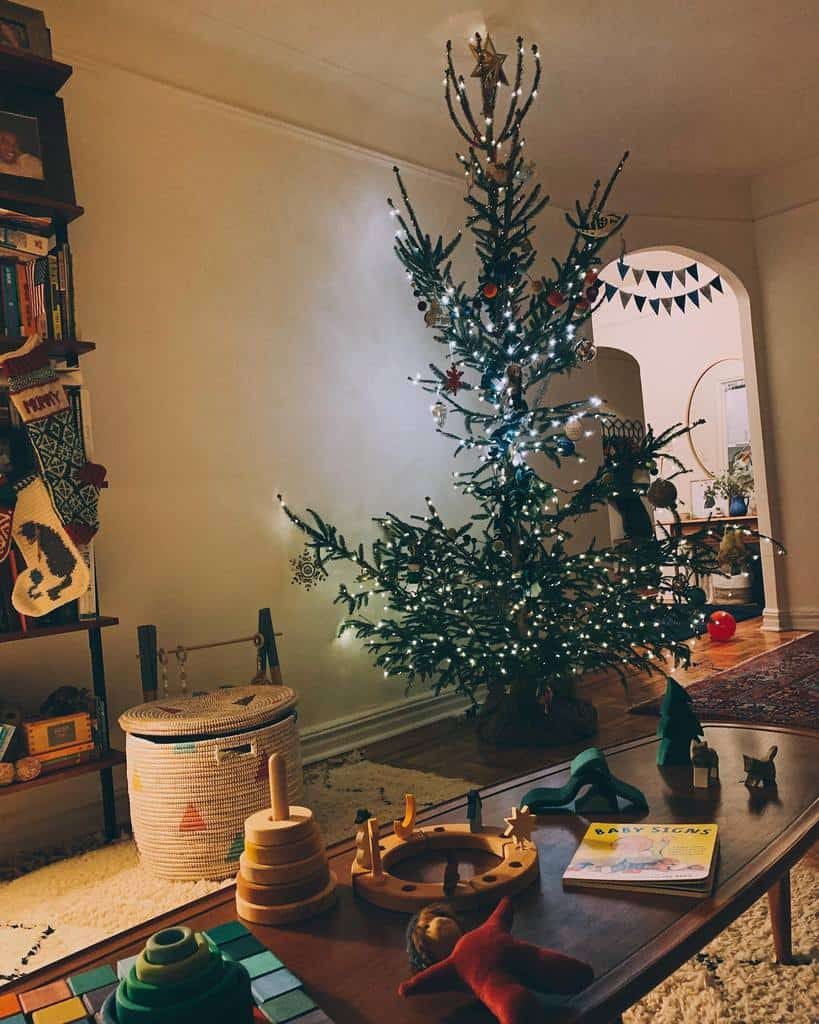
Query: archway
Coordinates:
[680,312]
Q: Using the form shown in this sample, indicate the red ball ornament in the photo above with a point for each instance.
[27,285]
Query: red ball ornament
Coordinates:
[490,290]
[590,278]
[721,626]
[581,306]
[555,298]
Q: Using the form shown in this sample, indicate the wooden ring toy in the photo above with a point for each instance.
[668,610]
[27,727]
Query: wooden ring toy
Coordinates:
[518,867]
[161,995]
[278,874]
[262,829]
[170,945]
[288,913]
[276,895]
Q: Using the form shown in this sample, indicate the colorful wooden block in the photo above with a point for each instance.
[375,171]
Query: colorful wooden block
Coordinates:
[45,995]
[89,980]
[316,1017]
[239,949]
[9,1005]
[124,966]
[224,933]
[285,1008]
[66,1012]
[93,1000]
[261,963]
[271,985]
[16,1018]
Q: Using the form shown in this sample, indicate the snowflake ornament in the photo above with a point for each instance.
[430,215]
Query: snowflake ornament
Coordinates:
[454,380]
[307,572]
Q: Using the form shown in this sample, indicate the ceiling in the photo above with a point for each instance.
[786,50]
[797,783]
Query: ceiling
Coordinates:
[702,87]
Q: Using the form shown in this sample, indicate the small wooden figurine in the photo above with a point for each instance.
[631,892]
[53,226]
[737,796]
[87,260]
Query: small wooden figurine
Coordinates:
[362,849]
[473,810]
[405,827]
[706,764]
[519,825]
[451,874]
[283,875]
[589,775]
[760,771]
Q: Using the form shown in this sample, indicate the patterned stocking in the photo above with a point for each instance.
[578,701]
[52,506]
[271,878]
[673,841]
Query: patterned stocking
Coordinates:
[73,483]
[55,571]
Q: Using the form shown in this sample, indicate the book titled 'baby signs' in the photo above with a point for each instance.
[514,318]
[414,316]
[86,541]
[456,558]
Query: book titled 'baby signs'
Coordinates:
[671,858]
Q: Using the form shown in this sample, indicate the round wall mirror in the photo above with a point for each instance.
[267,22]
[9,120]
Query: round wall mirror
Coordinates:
[719,398]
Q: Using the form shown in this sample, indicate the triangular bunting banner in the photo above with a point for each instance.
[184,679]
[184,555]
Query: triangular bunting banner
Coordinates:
[192,820]
[706,291]
[680,300]
[694,272]
[667,305]
[610,290]
[668,277]
[625,298]
[717,283]
[638,275]
[655,305]
[694,297]
[622,269]
[680,275]
[639,302]
[654,277]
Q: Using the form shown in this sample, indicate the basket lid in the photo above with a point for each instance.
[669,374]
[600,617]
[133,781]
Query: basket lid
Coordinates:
[229,709]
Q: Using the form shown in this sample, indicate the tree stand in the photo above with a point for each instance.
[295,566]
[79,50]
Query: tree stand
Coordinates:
[520,719]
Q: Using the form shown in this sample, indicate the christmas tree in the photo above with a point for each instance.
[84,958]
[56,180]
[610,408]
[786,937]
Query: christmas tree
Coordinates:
[504,608]
[678,726]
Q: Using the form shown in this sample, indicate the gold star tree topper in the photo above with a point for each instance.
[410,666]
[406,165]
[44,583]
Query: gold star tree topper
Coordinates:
[519,825]
[489,66]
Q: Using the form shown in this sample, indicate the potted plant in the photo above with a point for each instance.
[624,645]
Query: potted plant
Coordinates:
[736,485]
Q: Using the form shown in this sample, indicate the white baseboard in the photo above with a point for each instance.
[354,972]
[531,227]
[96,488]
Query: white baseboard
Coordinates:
[357,730]
[778,619]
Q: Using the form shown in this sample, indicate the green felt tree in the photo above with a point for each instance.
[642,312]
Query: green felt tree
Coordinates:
[678,726]
[503,607]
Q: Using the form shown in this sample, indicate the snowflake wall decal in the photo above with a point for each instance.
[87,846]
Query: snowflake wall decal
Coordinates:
[307,572]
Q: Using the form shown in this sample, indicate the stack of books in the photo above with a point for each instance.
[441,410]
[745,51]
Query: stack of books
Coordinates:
[673,858]
[36,279]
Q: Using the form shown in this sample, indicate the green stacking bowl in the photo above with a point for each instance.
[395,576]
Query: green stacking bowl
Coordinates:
[181,978]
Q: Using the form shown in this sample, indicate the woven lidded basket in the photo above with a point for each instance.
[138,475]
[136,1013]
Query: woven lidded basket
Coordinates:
[197,767]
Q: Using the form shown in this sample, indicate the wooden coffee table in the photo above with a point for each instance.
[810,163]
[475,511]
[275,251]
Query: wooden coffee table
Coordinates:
[352,958]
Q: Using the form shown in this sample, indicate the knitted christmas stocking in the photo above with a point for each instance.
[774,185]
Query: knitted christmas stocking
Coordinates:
[72,481]
[55,571]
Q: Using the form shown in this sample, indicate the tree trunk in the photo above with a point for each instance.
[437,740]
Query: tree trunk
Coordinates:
[520,719]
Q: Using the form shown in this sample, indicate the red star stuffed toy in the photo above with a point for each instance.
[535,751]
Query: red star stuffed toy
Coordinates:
[497,967]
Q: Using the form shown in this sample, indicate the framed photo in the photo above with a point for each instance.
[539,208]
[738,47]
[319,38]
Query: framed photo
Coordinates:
[34,157]
[698,509]
[24,28]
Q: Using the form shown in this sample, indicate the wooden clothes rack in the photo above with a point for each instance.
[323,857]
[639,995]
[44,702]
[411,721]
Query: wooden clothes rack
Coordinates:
[152,658]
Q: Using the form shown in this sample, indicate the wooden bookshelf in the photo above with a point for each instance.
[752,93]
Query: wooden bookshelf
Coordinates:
[100,764]
[56,349]
[84,625]
[32,71]
[40,206]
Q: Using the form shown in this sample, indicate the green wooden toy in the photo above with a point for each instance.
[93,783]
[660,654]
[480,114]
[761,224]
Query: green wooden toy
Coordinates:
[591,771]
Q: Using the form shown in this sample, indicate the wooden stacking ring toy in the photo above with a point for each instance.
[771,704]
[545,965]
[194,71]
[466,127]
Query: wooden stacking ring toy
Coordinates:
[518,865]
[283,874]
[178,978]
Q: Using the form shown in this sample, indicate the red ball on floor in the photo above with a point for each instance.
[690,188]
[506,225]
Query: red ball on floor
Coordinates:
[721,626]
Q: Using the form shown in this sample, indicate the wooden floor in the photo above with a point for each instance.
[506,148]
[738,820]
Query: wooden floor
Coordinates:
[451,747]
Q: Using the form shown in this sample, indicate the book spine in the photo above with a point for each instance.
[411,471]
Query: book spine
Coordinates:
[24,297]
[69,291]
[24,242]
[6,736]
[54,296]
[11,305]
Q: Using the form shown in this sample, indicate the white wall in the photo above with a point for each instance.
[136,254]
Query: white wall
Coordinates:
[672,350]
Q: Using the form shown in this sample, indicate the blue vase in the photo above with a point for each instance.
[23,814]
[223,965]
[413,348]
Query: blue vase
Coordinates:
[738,506]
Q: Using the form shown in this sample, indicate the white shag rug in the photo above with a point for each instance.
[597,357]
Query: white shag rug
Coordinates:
[70,904]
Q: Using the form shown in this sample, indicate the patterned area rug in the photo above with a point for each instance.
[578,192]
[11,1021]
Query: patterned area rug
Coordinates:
[780,687]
